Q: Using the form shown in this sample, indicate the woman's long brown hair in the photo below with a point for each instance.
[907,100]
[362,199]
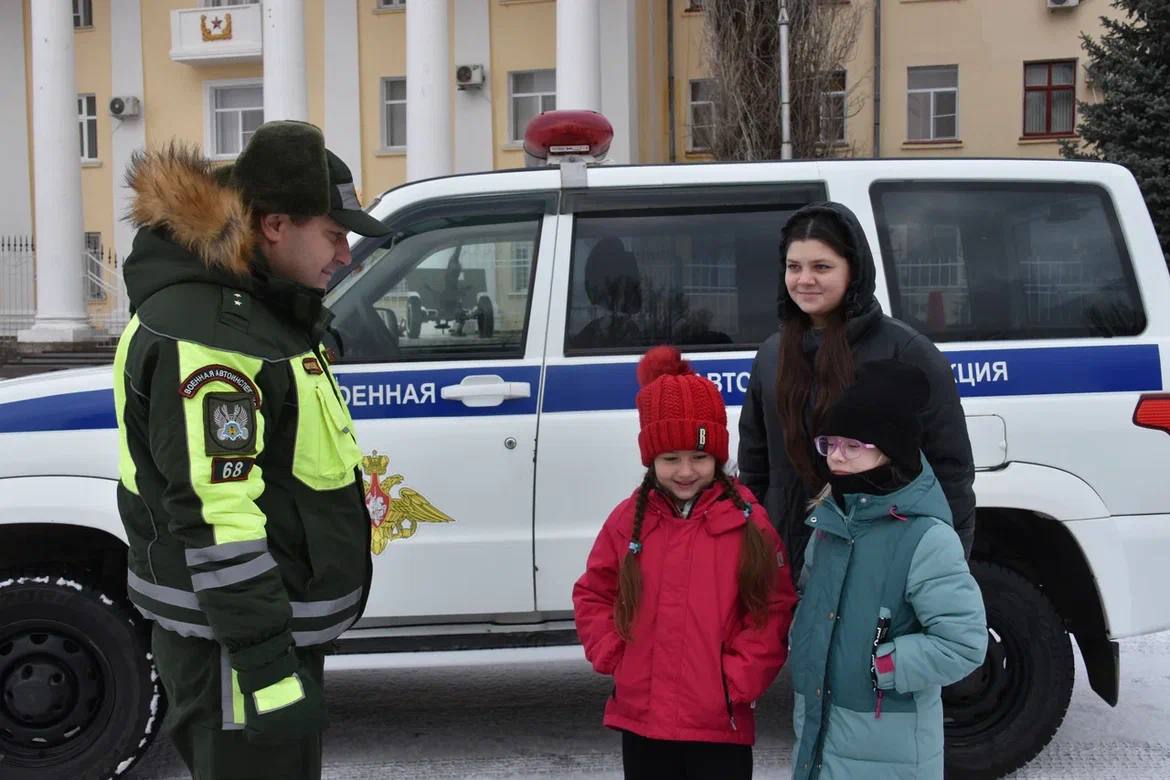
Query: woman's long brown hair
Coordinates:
[832,367]
[755,575]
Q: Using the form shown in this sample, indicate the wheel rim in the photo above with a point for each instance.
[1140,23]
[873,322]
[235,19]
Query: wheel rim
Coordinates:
[990,695]
[52,691]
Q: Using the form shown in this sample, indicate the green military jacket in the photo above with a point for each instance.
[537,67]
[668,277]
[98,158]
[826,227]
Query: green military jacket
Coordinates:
[239,487]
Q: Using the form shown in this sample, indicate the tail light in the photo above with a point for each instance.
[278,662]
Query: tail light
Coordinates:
[1153,411]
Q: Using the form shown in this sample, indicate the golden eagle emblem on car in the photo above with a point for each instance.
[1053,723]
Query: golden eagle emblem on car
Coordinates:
[394,517]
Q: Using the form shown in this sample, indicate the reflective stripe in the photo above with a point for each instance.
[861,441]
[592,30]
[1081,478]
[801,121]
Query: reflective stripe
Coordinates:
[279,695]
[230,575]
[312,609]
[127,469]
[161,593]
[231,699]
[178,626]
[223,552]
[307,638]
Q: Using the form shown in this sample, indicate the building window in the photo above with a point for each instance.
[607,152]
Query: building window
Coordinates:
[533,92]
[393,113]
[82,13]
[831,129]
[702,114]
[236,111]
[94,284]
[222,3]
[1050,98]
[87,126]
[933,103]
[391,3]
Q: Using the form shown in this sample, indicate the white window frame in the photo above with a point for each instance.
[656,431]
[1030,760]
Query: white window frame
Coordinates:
[386,103]
[390,5]
[84,119]
[516,135]
[691,103]
[209,89]
[933,92]
[94,267]
[834,95]
[82,14]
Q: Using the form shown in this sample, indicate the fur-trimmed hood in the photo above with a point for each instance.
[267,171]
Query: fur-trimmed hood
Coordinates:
[177,191]
[192,225]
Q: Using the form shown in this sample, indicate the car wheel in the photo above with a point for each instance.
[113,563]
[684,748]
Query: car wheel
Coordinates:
[1001,716]
[79,696]
[414,317]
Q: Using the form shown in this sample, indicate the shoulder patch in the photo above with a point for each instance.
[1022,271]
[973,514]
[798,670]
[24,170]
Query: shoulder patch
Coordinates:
[218,373]
[312,366]
[229,422]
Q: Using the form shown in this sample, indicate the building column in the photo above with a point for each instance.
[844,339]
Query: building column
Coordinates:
[57,179]
[428,91]
[473,107]
[619,87]
[579,54]
[343,127]
[129,134]
[15,192]
[285,90]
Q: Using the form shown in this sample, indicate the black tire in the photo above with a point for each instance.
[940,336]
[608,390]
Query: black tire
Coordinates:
[79,697]
[1006,712]
[414,317]
[485,317]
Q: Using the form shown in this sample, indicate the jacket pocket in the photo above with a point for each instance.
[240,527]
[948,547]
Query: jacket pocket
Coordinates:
[726,690]
[326,452]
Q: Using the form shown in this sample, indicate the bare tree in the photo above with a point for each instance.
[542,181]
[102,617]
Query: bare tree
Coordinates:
[742,48]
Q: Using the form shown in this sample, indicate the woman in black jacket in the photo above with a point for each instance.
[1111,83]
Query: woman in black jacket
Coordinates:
[830,323]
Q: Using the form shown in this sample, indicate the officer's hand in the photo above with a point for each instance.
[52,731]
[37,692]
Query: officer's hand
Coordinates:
[286,710]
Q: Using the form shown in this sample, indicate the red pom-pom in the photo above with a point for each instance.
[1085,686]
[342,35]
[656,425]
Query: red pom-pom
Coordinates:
[661,361]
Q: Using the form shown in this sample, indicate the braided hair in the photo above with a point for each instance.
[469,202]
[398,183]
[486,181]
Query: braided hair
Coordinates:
[630,573]
[757,566]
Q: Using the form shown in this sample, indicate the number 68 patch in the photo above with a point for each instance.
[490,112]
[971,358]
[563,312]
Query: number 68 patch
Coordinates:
[231,469]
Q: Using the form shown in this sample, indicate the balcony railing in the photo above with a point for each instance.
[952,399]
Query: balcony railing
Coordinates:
[216,36]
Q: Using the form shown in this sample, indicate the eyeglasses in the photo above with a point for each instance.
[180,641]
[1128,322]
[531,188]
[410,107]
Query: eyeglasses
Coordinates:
[849,448]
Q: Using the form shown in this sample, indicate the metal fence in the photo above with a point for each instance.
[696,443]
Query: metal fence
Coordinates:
[107,305]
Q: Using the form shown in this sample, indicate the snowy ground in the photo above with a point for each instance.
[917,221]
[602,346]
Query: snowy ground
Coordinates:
[510,715]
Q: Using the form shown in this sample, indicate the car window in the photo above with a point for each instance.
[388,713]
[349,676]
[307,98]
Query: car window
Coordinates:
[699,271]
[970,261]
[445,284]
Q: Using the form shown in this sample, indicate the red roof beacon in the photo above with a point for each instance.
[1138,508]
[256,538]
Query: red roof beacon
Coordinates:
[570,139]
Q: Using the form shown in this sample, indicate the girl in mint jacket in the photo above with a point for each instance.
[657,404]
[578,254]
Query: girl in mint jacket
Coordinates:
[889,612]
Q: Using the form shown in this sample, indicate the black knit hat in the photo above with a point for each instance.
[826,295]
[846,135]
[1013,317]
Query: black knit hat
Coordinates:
[881,408]
[286,169]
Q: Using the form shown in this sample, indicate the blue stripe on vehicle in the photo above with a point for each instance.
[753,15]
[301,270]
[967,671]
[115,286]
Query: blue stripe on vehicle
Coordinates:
[81,411]
[416,393]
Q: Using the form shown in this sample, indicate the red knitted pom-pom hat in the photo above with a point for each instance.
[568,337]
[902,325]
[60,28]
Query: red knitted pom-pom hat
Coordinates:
[677,408]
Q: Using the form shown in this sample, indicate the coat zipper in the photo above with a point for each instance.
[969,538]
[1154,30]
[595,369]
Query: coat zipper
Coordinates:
[726,691]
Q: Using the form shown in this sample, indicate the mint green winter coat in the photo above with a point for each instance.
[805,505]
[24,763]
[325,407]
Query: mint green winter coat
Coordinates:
[893,556]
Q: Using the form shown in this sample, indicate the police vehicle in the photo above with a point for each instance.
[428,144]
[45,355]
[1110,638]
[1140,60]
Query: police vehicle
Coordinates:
[488,347]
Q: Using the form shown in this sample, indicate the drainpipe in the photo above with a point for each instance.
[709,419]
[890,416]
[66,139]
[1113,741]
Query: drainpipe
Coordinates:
[785,105]
[670,76]
[877,78]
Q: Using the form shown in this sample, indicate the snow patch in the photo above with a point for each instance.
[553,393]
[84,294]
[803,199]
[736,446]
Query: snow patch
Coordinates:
[122,767]
[106,600]
[7,582]
[38,580]
[69,583]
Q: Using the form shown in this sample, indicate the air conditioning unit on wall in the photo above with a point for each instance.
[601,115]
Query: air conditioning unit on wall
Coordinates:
[1063,3]
[125,106]
[469,76]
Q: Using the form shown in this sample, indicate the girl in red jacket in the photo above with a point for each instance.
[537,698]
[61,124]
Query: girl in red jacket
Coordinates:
[685,599]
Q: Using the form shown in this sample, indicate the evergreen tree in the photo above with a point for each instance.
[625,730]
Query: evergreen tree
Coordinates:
[1130,64]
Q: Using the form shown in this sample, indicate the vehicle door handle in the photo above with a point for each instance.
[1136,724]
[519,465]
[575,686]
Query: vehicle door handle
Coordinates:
[485,390]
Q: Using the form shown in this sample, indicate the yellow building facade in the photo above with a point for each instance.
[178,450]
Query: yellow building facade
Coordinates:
[972,78]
